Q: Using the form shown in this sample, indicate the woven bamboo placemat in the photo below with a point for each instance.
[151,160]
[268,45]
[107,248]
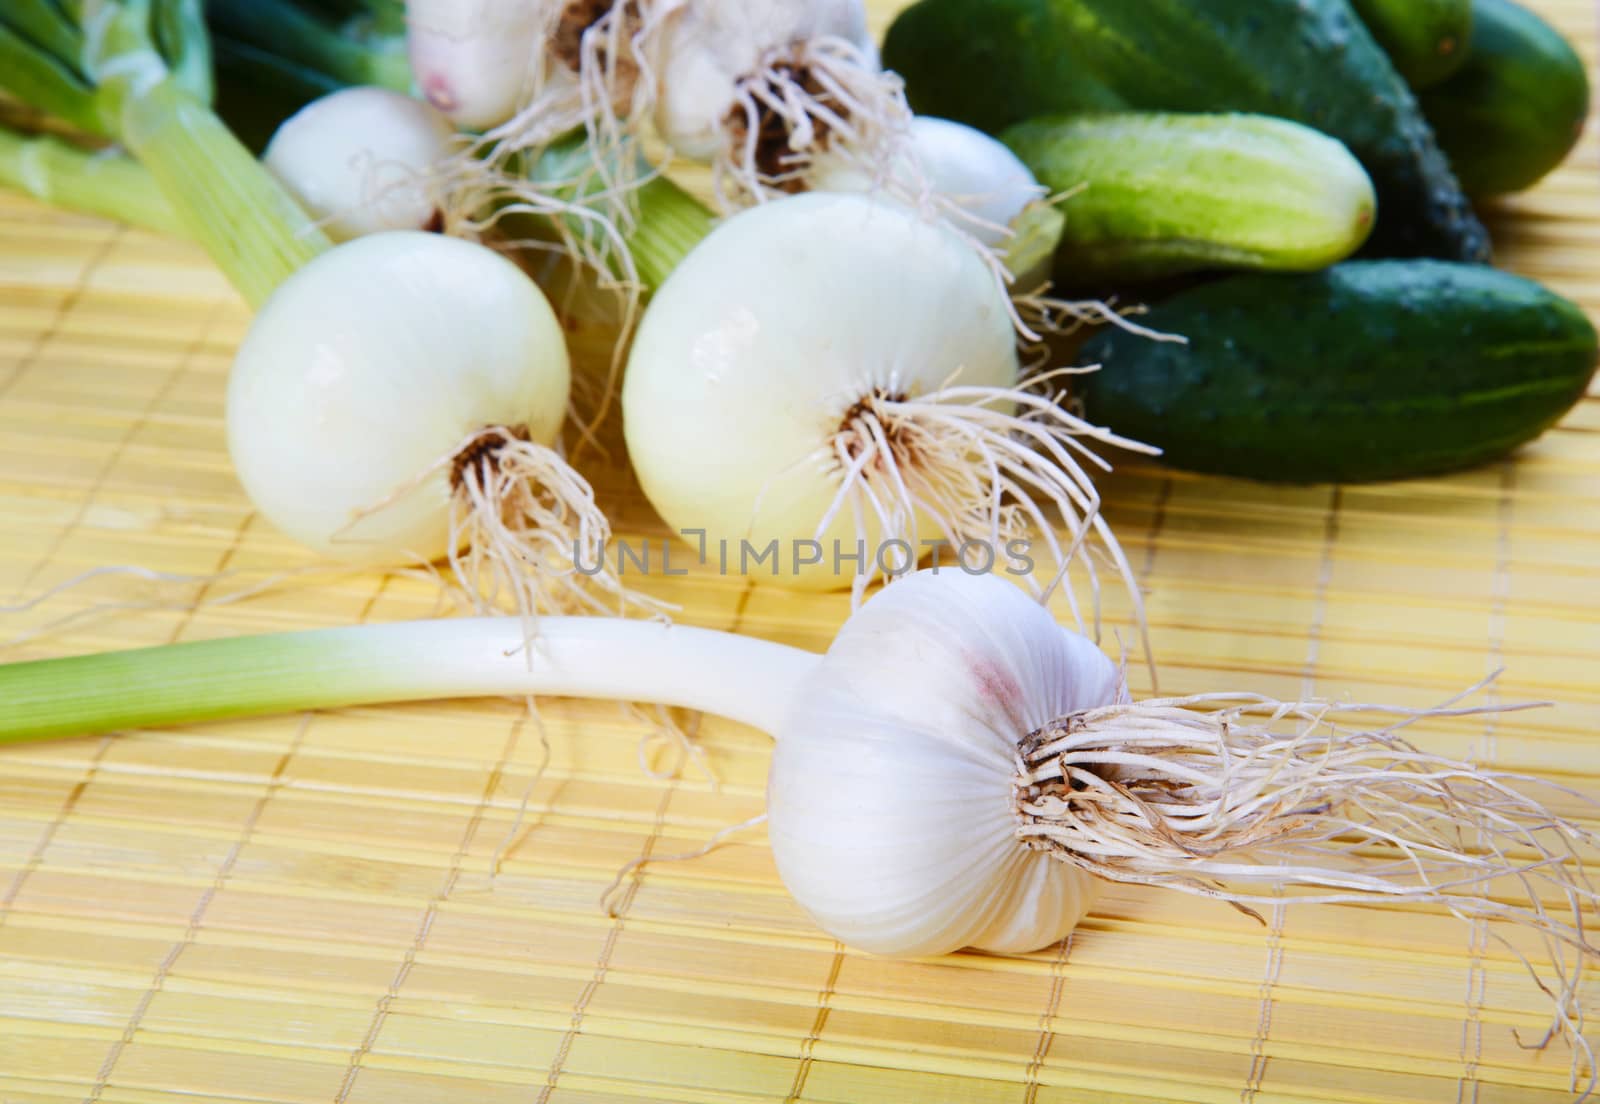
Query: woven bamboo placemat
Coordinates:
[310,909]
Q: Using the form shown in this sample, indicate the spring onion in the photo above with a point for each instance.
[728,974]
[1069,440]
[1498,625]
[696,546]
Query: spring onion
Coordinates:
[957,770]
[365,47]
[362,159]
[528,71]
[972,182]
[986,184]
[458,460]
[757,88]
[100,182]
[836,369]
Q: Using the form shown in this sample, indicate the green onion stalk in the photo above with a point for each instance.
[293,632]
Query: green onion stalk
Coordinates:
[668,223]
[103,182]
[346,43]
[138,72]
[257,90]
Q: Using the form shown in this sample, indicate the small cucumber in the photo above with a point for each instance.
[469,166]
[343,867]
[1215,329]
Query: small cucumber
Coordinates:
[1312,61]
[1426,39]
[1516,108]
[1159,195]
[1369,370]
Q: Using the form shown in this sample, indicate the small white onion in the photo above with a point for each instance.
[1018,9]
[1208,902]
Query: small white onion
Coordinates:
[359,160]
[758,345]
[889,802]
[712,45]
[371,365]
[473,58]
[976,173]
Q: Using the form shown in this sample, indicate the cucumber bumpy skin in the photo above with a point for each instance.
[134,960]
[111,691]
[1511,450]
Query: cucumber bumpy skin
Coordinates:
[1516,108]
[1156,195]
[1426,39]
[1312,61]
[1367,371]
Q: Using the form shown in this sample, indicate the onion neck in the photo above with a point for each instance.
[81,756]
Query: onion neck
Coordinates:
[249,224]
[663,225]
[95,182]
[671,223]
[745,680]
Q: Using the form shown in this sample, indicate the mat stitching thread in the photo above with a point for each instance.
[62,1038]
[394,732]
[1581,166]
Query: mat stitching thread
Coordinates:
[36,857]
[1467,1084]
[68,304]
[1158,524]
[603,960]
[174,375]
[1052,1004]
[1308,684]
[197,916]
[808,1045]
[580,1007]
[380,1013]
[1058,979]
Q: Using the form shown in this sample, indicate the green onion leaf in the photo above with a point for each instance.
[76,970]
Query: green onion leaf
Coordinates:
[44,81]
[45,25]
[98,182]
[179,30]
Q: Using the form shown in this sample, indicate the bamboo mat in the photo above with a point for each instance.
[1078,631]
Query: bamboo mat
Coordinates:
[307,909]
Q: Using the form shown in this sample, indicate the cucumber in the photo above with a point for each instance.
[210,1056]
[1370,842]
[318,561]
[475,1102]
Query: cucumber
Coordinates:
[1518,105]
[1369,370]
[1311,61]
[967,61]
[1168,194]
[1426,39]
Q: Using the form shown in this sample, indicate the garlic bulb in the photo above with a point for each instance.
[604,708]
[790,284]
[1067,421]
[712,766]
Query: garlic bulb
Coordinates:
[890,799]
[958,770]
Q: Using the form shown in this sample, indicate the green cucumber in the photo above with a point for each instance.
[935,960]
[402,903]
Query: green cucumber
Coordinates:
[969,61]
[1518,105]
[1426,39]
[1369,370]
[1311,61]
[1159,195]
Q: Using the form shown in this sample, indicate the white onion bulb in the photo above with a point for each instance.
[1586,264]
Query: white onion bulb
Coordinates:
[359,160]
[473,58]
[370,365]
[758,344]
[836,367]
[986,184]
[713,45]
[889,801]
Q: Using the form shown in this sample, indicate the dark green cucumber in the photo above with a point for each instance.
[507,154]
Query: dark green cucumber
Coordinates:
[1369,370]
[1156,195]
[1311,61]
[1426,39]
[971,61]
[1518,105]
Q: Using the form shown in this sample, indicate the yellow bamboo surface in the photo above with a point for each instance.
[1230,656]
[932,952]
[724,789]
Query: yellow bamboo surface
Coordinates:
[308,909]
